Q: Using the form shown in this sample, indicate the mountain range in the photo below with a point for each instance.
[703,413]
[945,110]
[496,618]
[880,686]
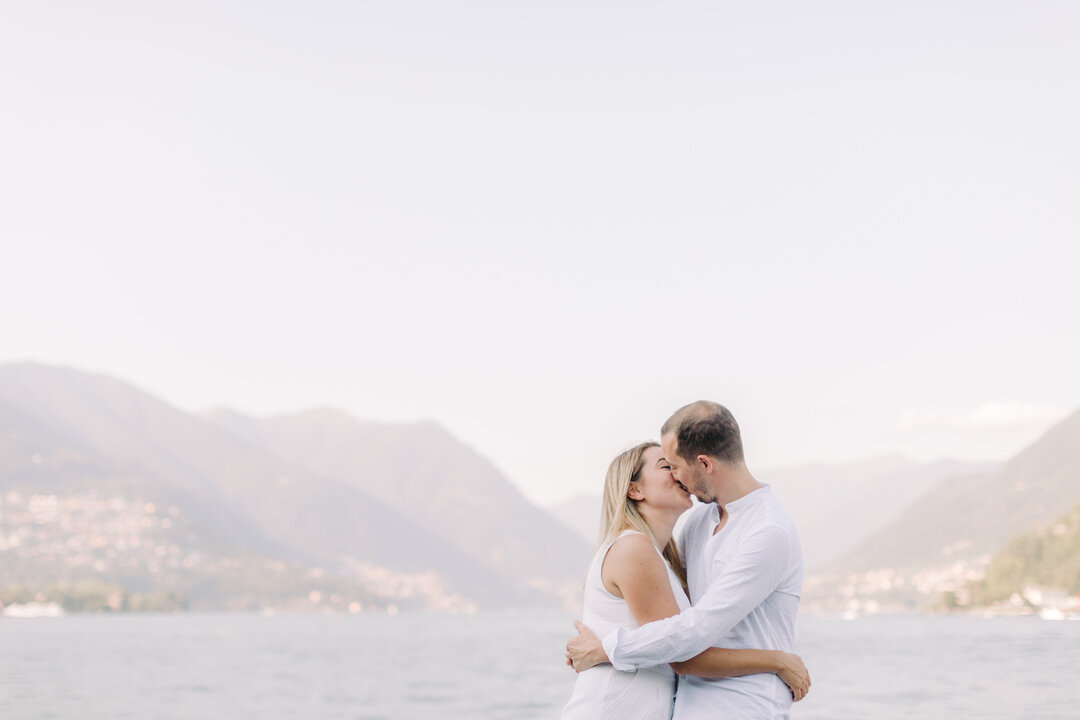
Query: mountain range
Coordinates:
[423,472]
[404,510]
[103,486]
[945,539]
[969,516]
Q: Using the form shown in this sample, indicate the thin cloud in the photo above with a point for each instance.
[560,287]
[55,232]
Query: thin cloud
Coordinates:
[991,415]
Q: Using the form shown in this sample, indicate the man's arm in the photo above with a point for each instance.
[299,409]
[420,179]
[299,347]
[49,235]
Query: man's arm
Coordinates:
[758,566]
[717,662]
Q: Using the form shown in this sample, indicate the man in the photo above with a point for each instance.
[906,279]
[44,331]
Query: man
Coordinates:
[744,570]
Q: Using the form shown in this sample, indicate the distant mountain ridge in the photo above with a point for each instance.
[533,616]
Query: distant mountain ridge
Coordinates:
[943,542]
[420,470]
[67,432]
[972,515]
[836,506]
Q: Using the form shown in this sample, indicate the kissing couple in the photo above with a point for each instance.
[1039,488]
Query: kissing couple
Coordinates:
[717,606]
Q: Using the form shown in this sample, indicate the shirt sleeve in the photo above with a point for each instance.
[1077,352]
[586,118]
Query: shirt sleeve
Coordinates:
[740,583]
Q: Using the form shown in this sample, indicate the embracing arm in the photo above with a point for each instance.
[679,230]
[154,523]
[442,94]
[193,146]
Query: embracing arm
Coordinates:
[719,662]
[634,569]
[740,585]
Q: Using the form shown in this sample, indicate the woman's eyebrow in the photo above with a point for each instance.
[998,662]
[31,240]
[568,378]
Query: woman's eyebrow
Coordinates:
[661,460]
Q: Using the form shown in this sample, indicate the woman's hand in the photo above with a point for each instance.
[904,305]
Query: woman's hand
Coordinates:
[585,650]
[794,674]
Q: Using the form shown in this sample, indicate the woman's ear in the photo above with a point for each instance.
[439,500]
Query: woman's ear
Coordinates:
[634,493]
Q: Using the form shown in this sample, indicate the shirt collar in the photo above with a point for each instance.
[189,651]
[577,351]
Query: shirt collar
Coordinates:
[751,498]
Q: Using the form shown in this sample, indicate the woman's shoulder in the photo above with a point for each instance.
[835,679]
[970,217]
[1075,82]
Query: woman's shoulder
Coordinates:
[630,545]
[631,555]
[620,544]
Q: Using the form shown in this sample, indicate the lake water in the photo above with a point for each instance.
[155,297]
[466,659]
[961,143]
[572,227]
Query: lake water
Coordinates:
[496,666]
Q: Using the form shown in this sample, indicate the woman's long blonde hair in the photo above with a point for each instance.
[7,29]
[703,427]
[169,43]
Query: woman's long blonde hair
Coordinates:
[619,512]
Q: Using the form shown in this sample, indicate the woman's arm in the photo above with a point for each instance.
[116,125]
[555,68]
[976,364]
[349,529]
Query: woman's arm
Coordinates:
[634,571]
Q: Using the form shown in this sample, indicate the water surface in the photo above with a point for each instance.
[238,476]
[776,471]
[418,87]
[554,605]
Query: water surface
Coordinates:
[499,666]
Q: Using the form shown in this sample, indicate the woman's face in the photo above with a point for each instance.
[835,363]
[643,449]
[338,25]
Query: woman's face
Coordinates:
[656,485]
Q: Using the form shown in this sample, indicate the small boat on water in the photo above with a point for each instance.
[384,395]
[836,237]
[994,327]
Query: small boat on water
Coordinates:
[33,610]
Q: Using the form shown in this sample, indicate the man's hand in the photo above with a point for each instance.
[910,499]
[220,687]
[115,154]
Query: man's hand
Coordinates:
[585,650]
[795,676]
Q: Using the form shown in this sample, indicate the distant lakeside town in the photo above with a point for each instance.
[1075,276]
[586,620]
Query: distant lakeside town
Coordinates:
[87,536]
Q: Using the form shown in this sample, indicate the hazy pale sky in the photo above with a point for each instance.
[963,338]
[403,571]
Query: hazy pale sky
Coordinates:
[548,225]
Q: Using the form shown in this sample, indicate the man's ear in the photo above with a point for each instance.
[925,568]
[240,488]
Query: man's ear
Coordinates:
[707,463]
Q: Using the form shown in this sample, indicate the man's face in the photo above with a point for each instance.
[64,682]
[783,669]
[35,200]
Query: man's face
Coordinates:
[689,474]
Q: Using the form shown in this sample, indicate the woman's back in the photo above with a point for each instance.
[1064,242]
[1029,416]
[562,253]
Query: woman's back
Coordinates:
[603,691]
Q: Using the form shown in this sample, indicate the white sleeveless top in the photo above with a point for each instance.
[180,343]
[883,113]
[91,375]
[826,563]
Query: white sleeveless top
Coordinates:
[602,692]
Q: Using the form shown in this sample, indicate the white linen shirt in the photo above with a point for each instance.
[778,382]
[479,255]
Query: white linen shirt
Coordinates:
[744,584]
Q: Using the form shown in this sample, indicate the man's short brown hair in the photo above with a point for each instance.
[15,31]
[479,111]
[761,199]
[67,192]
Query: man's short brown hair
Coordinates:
[705,428]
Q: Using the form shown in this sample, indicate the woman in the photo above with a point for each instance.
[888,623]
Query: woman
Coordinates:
[632,582]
